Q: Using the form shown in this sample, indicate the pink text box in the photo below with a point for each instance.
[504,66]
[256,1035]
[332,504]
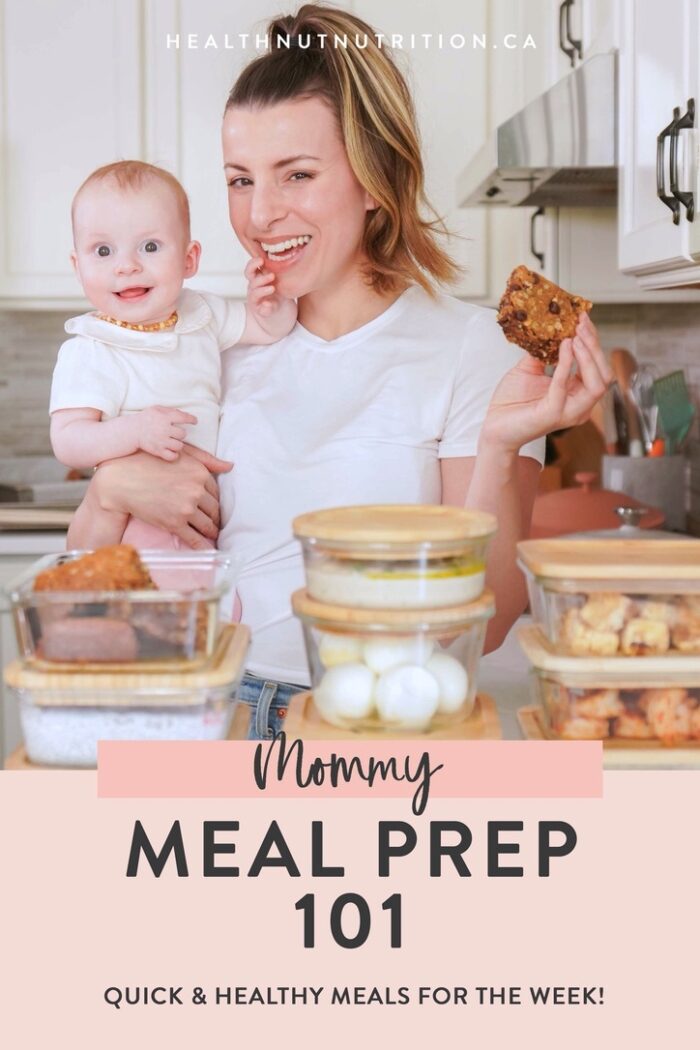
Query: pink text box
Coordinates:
[471,769]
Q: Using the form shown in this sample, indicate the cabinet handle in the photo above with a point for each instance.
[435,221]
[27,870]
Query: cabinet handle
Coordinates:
[686,198]
[575,49]
[533,250]
[670,202]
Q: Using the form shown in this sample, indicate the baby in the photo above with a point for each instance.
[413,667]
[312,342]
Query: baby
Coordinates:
[144,370]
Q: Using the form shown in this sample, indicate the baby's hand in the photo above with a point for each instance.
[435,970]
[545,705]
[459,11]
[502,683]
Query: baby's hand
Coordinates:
[160,430]
[275,314]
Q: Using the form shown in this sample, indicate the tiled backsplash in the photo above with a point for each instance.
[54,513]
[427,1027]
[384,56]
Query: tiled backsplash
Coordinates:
[29,342]
[667,336]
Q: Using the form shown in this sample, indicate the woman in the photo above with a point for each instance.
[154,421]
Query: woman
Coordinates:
[385,391]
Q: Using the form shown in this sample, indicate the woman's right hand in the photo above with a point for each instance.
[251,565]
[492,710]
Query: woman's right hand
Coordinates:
[181,497]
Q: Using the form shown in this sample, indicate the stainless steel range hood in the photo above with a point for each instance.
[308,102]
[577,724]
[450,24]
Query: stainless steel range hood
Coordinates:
[560,150]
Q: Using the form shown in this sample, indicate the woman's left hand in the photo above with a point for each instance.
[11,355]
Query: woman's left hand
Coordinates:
[527,404]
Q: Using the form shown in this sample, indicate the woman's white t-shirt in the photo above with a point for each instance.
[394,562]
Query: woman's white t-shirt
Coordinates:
[364,418]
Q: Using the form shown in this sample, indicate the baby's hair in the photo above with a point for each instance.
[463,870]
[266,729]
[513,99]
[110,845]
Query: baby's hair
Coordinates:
[315,53]
[132,175]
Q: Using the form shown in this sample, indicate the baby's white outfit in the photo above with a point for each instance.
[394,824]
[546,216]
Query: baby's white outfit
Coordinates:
[119,370]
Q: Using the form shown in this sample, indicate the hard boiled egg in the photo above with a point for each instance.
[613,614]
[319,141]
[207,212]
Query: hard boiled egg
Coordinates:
[345,692]
[407,696]
[381,654]
[334,649]
[452,679]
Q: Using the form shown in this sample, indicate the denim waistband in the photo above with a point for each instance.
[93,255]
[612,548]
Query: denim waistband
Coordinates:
[269,701]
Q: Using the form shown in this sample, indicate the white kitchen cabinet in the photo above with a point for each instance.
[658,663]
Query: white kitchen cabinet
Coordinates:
[70,100]
[579,245]
[566,33]
[659,72]
[586,253]
[185,95]
[88,83]
[515,76]
[120,86]
[561,244]
[449,89]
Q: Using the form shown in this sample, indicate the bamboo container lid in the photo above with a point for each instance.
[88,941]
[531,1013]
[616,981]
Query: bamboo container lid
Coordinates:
[594,672]
[106,689]
[394,523]
[675,561]
[433,619]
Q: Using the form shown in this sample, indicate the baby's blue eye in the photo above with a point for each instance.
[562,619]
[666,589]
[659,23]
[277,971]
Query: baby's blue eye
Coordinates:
[150,246]
[104,250]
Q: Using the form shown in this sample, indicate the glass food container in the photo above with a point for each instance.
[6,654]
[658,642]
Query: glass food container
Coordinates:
[63,715]
[620,700]
[398,556]
[394,670]
[177,623]
[609,597]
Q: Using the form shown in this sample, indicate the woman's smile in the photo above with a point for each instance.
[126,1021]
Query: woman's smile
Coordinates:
[281,254]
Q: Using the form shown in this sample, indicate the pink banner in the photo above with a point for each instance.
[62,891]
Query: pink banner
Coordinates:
[391,769]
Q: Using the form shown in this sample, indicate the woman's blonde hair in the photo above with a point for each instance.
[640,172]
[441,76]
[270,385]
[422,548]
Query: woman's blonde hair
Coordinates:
[330,53]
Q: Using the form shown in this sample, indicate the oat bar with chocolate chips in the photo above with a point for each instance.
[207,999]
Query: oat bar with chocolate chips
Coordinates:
[536,314]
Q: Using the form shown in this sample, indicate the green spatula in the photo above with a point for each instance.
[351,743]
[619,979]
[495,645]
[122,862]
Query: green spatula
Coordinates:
[675,408]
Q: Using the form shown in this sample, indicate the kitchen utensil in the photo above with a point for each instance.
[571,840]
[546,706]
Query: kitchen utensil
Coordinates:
[624,366]
[675,408]
[603,419]
[642,391]
[585,508]
[620,420]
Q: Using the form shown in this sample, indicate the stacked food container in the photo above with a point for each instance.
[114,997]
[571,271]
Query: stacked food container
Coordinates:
[616,647]
[117,646]
[394,613]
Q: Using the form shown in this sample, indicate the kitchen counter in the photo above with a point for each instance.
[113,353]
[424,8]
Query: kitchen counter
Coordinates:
[45,521]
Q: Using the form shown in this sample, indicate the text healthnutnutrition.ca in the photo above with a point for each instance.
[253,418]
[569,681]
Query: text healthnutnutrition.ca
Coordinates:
[396,41]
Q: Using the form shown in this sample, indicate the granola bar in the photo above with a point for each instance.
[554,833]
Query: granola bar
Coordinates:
[536,314]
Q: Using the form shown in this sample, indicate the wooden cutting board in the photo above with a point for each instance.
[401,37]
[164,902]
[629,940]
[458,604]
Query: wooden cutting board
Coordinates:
[303,721]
